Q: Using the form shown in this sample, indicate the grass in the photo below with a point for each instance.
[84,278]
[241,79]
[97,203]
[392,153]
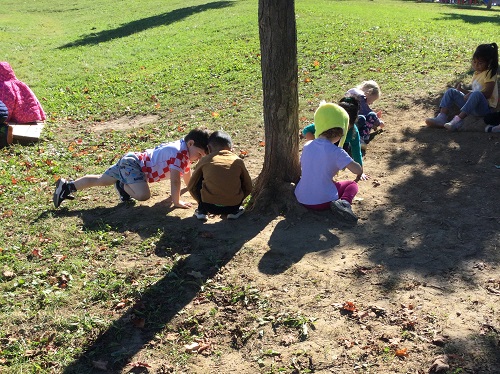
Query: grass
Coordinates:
[194,64]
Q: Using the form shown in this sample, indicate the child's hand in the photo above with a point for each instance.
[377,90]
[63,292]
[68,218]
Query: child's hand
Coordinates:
[362,177]
[381,124]
[183,205]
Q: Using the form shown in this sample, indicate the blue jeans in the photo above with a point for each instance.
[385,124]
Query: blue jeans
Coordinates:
[476,104]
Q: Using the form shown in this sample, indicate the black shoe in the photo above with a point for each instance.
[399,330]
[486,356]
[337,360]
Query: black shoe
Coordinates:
[124,196]
[62,192]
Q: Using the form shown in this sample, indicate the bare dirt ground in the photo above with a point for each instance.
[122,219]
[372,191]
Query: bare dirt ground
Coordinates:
[413,287]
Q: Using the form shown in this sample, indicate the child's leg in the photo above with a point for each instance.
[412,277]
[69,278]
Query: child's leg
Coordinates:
[93,181]
[139,191]
[372,121]
[476,104]
[364,130]
[347,190]
[451,97]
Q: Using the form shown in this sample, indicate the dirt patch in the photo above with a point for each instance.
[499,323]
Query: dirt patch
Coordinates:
[416,279]
[126,123]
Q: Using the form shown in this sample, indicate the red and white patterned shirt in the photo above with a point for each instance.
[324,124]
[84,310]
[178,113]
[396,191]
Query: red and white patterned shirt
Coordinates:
[156,163]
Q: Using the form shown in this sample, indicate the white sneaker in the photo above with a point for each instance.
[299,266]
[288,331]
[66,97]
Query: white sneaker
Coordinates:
[454,124]
[343,208]
[236,215]
[437,121]
[491,128]
[200,216]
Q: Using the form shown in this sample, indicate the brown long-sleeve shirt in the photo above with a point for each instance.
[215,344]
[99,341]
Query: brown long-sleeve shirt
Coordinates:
[225,179]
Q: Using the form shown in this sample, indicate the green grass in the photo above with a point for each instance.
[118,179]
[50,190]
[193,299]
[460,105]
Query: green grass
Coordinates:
[93,61]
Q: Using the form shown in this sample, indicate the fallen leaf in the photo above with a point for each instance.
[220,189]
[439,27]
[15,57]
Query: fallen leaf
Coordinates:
[172,336]
[440,364]
[9,274]
[36,252]
[139,365]
[60,258]
[120,305]
[349,306]
[403,352]
[193,347]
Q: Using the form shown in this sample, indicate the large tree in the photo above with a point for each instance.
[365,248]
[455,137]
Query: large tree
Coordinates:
[278,46]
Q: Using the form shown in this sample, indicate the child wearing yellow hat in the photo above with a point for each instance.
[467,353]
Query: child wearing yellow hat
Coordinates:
[321,160]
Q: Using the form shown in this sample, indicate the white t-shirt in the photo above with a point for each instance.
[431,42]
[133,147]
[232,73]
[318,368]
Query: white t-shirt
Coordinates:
[320,161]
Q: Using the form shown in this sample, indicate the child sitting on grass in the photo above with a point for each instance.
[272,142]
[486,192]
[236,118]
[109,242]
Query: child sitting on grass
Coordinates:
[321,160]
[220,181]
[481,100]
[132,174]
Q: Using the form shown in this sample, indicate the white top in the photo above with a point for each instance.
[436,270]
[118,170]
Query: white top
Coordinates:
[320,161]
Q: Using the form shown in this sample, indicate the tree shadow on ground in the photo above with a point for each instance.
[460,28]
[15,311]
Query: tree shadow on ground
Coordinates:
[134,27]
[493,18]
[287,248]
[211,246]
[440,218]
[440,226]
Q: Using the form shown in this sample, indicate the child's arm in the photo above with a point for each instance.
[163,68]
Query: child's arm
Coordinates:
[246,181]
[488,89]
[175,190]
[187,177]
[355,168]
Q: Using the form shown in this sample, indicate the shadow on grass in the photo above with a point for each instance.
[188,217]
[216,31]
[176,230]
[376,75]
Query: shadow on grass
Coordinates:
[207,248]
[493,17]
[144,24]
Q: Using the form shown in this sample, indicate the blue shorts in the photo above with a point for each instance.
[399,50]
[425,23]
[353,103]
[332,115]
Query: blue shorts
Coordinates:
[127,170]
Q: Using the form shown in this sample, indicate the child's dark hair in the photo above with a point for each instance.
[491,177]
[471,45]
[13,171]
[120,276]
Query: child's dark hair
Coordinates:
[199,137]
[351,106]
[336,132]
[489,54]
[220,140]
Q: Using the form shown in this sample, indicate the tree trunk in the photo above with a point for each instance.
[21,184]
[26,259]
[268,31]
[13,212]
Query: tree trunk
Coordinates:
[278,46]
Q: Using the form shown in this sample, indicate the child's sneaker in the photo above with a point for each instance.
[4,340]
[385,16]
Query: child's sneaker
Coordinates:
[437,121]
[454,124]
[236,215]
[491,128]
[124,196]
[200,215]
[62,192]
[343,208]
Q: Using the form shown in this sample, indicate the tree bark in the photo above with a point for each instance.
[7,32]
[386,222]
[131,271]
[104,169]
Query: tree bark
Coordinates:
[278,46]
